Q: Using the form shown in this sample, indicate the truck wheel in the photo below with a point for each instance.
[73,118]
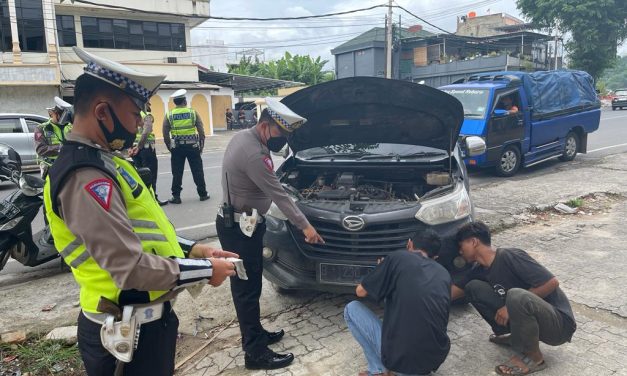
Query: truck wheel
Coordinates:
[509,161]
[571,146]
[613,108]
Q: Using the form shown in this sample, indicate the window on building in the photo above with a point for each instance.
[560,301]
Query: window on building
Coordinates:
[30,26]
[66,31]
[135,35]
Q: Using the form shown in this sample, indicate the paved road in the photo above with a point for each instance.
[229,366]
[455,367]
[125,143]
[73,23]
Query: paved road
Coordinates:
[195,219]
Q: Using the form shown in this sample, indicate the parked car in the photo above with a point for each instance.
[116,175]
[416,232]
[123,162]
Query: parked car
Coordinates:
[556,111]
[16,130]
[619,99]
[376,161]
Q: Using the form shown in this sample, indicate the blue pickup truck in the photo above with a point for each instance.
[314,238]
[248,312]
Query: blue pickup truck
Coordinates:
[527,118]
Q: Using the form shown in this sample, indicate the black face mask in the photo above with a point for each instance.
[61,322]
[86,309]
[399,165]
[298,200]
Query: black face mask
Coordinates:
[275,144]
[120,138]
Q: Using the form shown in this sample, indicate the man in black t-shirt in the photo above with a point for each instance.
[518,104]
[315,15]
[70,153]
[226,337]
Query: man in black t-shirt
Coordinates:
[518,297]
[412,339]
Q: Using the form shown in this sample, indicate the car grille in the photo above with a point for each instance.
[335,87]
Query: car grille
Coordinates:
[373,241]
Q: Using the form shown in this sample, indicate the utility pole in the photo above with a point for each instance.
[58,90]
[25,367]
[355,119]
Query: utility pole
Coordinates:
[388,48]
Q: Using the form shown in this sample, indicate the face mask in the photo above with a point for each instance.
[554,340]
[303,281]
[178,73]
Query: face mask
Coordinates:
[120,138]
[275,144]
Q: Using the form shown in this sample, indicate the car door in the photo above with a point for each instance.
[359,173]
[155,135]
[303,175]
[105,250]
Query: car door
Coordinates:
[504,129]
[31,124]
[12,133]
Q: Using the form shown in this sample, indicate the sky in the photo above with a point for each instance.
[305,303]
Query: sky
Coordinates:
[316,37]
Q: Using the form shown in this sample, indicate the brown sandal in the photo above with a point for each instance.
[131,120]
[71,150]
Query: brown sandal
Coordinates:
[512,369]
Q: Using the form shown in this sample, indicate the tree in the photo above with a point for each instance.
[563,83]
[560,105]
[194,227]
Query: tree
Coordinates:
[596,27]
[290,67]
[615,77]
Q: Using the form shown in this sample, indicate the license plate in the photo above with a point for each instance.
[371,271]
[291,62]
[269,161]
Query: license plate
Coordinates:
[343,274]
[8,210]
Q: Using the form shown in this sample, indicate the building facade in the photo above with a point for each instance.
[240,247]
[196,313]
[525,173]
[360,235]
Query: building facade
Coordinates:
[40,63]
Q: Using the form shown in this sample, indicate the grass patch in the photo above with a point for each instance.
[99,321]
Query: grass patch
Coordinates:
[41,357]
[575,203]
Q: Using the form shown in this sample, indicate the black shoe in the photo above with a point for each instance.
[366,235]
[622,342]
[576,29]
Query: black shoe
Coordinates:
[204,198]
[274,337]
[175,200]
[269,360]
[162,203]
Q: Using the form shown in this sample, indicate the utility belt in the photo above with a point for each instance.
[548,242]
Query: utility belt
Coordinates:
[149,145]
[186,140]
[247,222]
[120,329]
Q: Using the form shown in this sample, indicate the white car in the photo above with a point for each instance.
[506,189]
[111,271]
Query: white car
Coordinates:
[17,131]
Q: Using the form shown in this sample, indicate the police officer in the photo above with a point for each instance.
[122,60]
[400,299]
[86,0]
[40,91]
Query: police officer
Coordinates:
[187,142]
[144,153]
[109,229]
[249,183]
[50,135]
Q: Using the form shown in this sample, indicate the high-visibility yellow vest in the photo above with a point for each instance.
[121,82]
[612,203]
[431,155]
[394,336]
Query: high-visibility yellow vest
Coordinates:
[149,222]
[54,135]
[182,122]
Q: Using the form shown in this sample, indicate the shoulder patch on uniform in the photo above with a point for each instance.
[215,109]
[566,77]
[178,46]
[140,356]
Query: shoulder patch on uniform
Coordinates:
[268,162]
[100,190]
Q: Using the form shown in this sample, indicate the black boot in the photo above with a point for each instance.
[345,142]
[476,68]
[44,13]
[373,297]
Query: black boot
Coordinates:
[175,200]
[161,202]
[274,337]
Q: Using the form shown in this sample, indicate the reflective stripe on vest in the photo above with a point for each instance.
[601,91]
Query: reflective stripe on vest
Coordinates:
[148,220]
[182,122]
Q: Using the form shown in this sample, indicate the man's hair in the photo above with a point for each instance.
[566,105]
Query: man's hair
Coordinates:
[179,101]
[87,88]
[428,241]
[265,116]
[477,230]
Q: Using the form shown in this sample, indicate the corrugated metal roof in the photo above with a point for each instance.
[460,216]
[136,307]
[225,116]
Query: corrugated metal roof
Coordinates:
[242,83]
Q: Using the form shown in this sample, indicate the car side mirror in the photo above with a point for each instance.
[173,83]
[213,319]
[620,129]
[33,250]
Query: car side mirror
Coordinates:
[499,113]
[474,146]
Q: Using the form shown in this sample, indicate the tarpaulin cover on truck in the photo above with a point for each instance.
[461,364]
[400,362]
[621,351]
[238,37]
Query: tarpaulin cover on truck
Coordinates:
[556,92]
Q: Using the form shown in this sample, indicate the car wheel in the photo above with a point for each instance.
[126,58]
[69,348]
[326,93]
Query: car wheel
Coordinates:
[4,258]
[282,290]
[509,161]
[571,145]
[613,108]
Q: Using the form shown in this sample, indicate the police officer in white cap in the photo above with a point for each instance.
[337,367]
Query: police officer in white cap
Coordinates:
[50,136]
[249,186]
[108,227]
[187,142]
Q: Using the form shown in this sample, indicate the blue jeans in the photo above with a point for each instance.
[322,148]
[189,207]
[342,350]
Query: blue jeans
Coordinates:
[365,326]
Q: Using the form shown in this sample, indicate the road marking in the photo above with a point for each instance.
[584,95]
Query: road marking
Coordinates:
[607,147]
[167,155]
[208,224]
[614,117]
[206,168]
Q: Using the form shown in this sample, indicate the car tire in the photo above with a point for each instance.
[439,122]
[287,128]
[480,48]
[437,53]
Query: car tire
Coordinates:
[571,145]
[282,290]
[508,162]
[613,108]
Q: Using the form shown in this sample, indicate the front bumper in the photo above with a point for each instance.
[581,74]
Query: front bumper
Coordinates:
[619,103]
[293,265]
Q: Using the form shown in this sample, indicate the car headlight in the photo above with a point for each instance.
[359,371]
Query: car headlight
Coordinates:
[12,223]
[275,212]
[448,208]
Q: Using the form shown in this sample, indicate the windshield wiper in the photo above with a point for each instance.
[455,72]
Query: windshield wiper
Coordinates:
[399,156]
[348,154]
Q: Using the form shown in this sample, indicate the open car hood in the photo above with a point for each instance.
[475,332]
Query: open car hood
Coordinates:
[374,110]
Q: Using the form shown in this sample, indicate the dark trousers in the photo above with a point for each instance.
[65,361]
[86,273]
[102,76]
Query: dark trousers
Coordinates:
[531,318]
[179,154]
[246,293]
[147,157]
[154,355]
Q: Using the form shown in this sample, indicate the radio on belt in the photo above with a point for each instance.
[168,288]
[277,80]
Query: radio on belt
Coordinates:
[228,212]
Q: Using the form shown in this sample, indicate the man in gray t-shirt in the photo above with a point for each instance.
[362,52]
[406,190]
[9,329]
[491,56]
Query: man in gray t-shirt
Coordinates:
[249,182]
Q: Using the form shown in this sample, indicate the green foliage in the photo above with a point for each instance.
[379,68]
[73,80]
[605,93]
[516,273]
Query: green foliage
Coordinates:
[290,67]
[42,357]
[575,203]
[596,27]
[615,77]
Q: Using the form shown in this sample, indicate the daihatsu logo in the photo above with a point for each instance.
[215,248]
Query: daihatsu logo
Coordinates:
[353,223]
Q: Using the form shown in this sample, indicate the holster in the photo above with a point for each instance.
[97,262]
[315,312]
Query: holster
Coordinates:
[248,223]
[120,338]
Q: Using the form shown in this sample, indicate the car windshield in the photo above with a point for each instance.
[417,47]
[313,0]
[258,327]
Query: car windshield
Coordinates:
[621,93]
[475,101]
[369,152]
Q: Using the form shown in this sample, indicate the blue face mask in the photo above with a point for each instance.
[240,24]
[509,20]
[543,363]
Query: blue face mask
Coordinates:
[120,138]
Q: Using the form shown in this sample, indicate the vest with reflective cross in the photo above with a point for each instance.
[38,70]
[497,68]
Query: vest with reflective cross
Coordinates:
[54,135]
[182,122]
[149,222]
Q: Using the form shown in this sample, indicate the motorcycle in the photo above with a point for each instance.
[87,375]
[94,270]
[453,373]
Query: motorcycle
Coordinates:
[17,212]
